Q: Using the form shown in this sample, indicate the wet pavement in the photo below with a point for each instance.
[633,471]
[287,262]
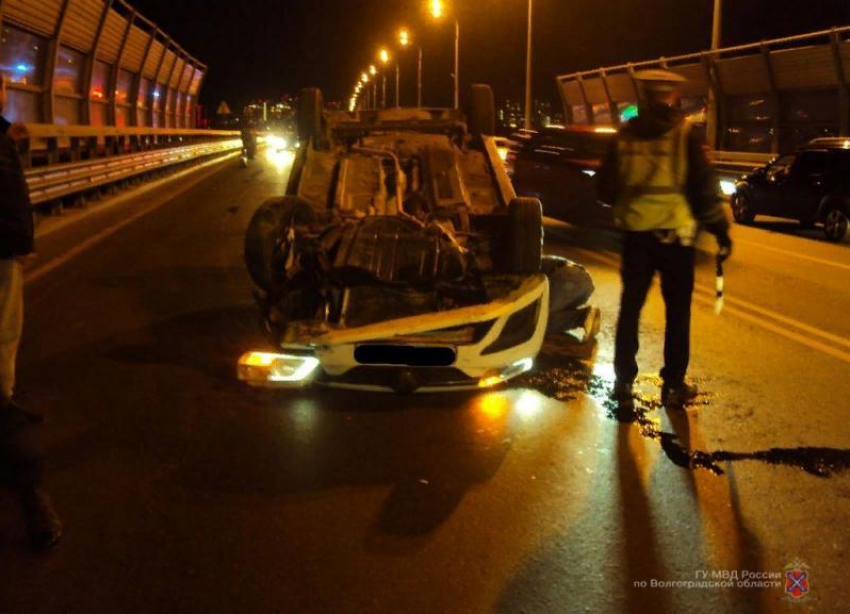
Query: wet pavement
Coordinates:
[183,491]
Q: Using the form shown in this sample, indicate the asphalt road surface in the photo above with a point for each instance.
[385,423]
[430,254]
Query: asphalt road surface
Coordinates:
[183,491]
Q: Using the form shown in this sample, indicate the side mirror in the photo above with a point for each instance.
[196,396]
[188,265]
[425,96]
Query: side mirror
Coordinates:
[780,175]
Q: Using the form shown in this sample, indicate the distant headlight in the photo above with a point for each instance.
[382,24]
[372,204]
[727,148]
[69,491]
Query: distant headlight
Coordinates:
[589,173]
[728,187]
[278,142]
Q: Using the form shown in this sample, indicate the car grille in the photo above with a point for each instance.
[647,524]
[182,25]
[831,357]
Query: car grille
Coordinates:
[388,377]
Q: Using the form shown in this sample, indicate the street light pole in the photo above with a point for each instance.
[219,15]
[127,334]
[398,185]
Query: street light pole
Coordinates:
[711,120]
[716,29]
[419,81]
[397,84]
[529,99]
[384,91]
[457,63]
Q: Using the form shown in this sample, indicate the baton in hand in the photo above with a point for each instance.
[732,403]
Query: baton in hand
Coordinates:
[718,301]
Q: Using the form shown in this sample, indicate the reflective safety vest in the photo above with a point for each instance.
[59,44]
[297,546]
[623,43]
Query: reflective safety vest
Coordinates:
[653,176]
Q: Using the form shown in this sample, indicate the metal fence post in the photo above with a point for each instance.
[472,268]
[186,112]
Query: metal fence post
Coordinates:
[50,69]
[843,98]
[776,95]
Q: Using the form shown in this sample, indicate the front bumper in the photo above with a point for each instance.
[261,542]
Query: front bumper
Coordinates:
[417,354]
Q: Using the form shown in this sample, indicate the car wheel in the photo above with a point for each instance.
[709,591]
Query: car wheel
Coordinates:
[742,209]
[481,117]
[310,111]
[835,225]
[266,238]
[525,236]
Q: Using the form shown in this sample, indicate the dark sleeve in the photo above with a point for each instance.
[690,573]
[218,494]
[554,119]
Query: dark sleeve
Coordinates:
[16,225]
[608,178]
[703,190]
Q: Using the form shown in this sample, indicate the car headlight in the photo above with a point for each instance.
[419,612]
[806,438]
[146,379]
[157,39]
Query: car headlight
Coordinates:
[268,369]
[728,187]
[277,142]
[496,377]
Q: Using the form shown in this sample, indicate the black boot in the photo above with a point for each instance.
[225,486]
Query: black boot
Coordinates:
[45,528]
[623,394]
[678,395]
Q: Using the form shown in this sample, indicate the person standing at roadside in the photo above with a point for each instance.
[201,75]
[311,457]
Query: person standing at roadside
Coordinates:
[662,187]
[20,457]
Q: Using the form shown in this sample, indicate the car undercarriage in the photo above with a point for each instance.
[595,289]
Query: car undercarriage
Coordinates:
[399,250]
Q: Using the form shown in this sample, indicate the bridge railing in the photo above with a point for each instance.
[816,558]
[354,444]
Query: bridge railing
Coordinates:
[62,161]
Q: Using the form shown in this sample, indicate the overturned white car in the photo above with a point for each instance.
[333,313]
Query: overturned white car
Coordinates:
[400,258]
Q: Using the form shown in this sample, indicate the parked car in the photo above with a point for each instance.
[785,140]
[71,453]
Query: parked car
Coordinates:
[401,258]
[558,165]
[811,185]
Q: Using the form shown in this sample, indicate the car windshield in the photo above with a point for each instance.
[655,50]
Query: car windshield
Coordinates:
[780,166]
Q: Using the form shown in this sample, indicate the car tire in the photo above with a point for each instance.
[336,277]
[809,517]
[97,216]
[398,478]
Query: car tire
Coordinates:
[310,115]
[525,236]
[481,116]
[742,209]
[268,227]
[835,224]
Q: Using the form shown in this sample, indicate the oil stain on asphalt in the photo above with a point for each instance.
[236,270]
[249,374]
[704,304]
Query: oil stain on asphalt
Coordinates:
[565,378]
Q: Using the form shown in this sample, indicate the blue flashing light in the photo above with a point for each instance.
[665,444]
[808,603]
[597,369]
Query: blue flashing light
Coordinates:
[23,68]
[156,94]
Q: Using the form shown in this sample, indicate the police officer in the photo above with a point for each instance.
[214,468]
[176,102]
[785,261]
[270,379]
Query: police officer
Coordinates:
[662,187]
[20,456]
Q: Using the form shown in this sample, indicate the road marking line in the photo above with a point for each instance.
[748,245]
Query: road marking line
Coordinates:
[795,255]
[789,334]
[760,321]
[52,265]
[779,317]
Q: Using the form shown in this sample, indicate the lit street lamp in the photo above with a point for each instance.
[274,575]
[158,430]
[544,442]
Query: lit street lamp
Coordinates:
[404,39]
[374,72]
[529,100]
[364,82]
[437,12]
[384,56]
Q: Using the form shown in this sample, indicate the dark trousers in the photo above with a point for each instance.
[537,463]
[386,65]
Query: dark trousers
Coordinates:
[21,455]
[643,255]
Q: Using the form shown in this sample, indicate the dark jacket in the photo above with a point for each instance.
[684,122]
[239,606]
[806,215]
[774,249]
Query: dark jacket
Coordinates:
[16,224]
[701,189]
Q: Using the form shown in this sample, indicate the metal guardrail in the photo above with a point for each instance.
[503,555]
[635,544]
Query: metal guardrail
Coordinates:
[730,164]
[49,144]
[58,181]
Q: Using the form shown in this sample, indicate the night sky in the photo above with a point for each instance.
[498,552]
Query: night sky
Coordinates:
[267,48]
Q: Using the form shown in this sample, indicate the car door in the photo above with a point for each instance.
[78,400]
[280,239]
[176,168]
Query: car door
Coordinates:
[767,190]
[536,170]
[806,185]
[526,169]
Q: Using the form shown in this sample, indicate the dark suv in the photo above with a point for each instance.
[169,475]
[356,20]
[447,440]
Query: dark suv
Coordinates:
[811,185]
[557,165]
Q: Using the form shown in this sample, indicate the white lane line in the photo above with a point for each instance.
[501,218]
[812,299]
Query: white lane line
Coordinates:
[779,330]
[49,267]
[795,255]
[779,317]
[111,203]
[759,321]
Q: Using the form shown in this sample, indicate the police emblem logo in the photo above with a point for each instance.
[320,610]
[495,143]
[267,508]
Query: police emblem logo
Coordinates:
[798,583]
